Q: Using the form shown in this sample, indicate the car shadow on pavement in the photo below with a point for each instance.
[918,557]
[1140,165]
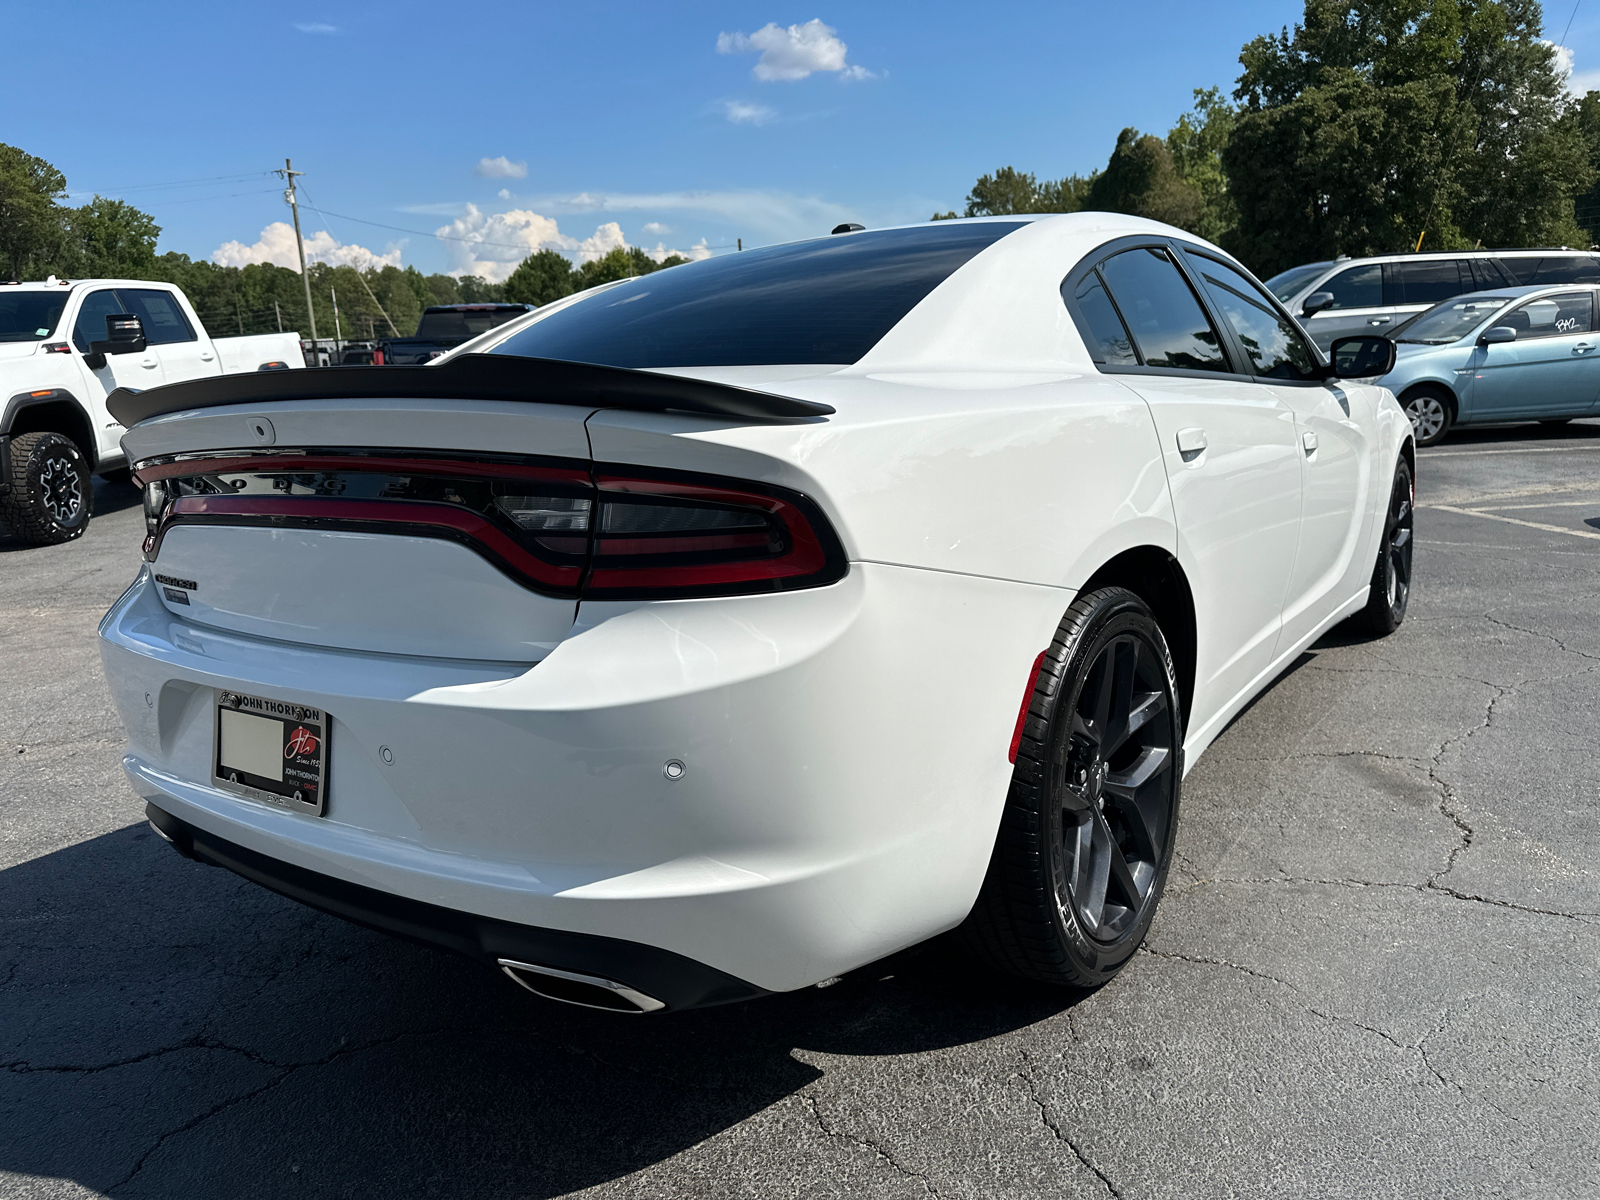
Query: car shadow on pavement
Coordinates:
[1578,430]
[168,1028]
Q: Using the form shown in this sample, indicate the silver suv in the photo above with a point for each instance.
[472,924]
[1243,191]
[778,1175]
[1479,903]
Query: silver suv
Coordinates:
[1375,295]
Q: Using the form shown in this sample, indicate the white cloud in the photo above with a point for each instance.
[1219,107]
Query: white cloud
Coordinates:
[606,239]
[694,253]
[316,28]
[501,168]
[504,193]
[744,112]
[1563,60]
[655,227]
[792,52]
[490,245]
[777,216]
[276,246]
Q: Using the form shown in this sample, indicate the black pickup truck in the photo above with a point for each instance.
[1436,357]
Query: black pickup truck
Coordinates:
[444,327]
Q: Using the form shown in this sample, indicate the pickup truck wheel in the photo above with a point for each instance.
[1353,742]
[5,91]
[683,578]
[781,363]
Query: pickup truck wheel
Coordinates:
[51,496]
[1086,836]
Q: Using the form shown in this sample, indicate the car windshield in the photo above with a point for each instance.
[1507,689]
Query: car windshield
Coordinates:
[1453,319]
[1287,284]
[823,301]
[30,316]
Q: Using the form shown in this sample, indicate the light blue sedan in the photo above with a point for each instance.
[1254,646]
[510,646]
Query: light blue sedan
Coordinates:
[1511,354]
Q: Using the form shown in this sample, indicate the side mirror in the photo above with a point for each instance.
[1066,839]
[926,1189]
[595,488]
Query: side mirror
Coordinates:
[124,335]
[1361,357]
[1315,303]
[1500,333]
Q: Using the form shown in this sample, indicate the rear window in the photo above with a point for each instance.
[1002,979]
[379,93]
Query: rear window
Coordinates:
[459,326]
[824,301]
[30,316]
[1553,268]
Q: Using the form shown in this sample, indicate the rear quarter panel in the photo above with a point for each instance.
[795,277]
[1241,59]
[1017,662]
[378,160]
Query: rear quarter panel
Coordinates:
[1038,478]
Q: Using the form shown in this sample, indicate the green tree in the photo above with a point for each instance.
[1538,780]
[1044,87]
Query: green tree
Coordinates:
[33,230]
[540,278]
[113,240]
[1196,143]
[1010,191]
[480,291]
[1376,121]
[1141,180]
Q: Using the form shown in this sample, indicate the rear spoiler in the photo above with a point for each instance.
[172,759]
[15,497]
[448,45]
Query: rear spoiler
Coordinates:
[470,377]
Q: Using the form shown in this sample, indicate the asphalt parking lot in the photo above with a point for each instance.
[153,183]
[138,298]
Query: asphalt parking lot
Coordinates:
[1374,974]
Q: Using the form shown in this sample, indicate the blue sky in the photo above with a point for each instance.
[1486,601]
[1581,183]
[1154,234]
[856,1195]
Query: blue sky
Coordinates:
[578,126]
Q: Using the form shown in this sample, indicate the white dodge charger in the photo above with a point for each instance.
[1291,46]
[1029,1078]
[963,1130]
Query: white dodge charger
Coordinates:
[718,632]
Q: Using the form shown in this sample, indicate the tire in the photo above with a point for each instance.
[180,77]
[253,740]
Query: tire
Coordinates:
[1086,838]
[1391,574]
[1432,412]
[51,497]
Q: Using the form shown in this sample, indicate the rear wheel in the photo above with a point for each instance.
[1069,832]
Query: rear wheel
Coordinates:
[1391,574]
[1085,841]
[51,497]
[1431,412]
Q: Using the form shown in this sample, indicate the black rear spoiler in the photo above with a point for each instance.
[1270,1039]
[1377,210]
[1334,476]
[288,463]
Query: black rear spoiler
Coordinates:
[471,377]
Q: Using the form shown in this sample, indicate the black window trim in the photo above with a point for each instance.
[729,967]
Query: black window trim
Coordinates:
[1178,251]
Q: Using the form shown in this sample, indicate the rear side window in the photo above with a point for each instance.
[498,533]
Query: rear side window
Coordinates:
[1108,339]
[1357,287]
[1424,282]
[1552,316]
[164,322]
[1169,327]
[824,301]
[30,316]
[1574,268]
[1274,347]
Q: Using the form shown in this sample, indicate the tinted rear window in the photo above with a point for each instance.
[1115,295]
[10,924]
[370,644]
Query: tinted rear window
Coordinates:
[824,301]
[1423,282]
[460,325]
[30,316]
[1555,268]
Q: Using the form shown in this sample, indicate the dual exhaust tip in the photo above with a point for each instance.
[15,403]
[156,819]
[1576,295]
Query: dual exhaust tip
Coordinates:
[586,991]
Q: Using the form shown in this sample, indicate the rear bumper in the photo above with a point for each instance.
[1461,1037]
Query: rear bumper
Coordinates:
[845,752]
[676,981]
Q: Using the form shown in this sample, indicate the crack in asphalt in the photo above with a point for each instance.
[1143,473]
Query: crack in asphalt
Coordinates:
[1054,1127]
[1539,633]
[810,1103]
[1200,881]
[285,1072]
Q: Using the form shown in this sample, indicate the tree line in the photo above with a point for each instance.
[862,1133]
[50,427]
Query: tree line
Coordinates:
[42,235]
[1369,126]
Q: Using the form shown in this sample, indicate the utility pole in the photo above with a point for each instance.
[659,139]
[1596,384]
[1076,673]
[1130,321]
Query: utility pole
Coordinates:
[279,313]
[288,175]
[338,334]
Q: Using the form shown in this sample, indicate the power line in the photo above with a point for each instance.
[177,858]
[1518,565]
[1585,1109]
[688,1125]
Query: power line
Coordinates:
[1570,19]
[198,199]
[145,187]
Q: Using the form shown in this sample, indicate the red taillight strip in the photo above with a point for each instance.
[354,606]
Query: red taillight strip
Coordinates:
[288,464]
[805,556]
[447,518]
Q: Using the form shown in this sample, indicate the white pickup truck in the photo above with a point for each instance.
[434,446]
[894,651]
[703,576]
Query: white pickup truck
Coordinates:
[64,347]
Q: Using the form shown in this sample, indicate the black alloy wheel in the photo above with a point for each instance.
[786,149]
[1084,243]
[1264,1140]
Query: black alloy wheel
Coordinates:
[1391,574]
[51,496]
[1086,837]
[1431,415]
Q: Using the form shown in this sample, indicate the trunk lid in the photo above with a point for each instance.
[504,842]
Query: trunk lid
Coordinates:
[417,527]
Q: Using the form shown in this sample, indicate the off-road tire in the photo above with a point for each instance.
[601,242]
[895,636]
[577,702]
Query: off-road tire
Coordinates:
[1390,592]
[52,496]
[1030,918]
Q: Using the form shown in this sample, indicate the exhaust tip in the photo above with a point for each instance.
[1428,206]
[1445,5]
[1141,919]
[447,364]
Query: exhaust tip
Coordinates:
[586,991]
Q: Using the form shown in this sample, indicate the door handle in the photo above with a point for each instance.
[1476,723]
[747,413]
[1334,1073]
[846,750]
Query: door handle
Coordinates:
[207,356]
[1191,442]
[1308,440]
[147,363]
[1582,348]
[1380,320]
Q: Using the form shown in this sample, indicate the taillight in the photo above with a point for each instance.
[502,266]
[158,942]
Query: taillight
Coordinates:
[689,536]
[553,526]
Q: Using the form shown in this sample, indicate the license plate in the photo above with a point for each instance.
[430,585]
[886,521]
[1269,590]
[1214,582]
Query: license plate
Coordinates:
[272,751]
